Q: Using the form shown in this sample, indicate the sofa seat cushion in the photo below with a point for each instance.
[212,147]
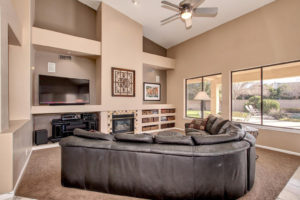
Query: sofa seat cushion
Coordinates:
[141,138]
[93,134]
[178,140]
[217,125]
[187,130]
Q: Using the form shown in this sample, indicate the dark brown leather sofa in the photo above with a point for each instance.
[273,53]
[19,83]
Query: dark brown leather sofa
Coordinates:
[219,168]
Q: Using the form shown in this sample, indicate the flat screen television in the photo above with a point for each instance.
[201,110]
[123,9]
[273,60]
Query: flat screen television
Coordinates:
[63,91]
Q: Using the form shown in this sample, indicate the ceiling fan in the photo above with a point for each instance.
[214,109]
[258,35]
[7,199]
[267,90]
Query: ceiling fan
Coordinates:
[188,9]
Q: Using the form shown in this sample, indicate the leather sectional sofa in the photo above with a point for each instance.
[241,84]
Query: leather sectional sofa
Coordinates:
[200,166]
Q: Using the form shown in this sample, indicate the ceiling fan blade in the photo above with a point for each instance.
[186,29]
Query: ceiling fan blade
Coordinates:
[193,3]
[170,8]
[188,23]
[197,3]
[169,19]
[205,12]
[170,4]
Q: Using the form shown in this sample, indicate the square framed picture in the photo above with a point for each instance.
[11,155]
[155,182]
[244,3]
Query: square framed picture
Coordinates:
[123,82]
[152,92]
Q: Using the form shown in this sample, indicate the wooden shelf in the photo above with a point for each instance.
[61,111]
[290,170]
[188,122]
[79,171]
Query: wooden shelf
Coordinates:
[65,109]
[167,122]
[159,62]
[57,42]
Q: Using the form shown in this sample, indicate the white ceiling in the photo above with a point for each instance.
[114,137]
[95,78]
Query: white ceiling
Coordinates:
[149,13]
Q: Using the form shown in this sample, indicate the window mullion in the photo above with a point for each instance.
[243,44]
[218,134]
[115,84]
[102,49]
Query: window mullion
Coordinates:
[262,96]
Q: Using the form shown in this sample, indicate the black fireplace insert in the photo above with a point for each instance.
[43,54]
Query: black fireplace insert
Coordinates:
[123,123]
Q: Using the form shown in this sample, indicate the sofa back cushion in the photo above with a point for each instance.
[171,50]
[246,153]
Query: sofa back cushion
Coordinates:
[93,135]
[141,138]
[217,125]
[210,121]
[180,140]
[233,133]
[214,139]
[224,127]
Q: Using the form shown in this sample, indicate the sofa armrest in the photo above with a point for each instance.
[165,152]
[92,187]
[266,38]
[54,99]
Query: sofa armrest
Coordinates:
[250,139]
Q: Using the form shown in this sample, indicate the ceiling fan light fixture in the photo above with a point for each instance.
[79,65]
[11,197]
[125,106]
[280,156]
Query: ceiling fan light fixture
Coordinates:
[186,14]
[135,2]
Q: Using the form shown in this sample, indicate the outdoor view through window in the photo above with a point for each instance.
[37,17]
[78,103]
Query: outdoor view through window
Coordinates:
[267,95]
[203,95]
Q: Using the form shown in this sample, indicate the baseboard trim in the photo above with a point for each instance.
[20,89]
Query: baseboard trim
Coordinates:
[6,196]
[278,150]
[45,146]
[22,173]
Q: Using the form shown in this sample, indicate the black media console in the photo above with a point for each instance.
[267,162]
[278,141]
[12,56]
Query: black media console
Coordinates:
[64,127]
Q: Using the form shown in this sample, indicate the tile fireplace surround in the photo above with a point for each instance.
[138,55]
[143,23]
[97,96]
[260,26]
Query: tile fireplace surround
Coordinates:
[106,119]
[125,112]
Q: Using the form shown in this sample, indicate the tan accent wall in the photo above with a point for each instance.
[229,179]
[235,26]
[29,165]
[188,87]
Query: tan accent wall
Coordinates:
[268,35]
[78,67]
[66,16]
[149,75]
[151,47]
[122,47]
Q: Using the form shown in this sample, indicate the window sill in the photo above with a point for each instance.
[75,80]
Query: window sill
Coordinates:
[288,130]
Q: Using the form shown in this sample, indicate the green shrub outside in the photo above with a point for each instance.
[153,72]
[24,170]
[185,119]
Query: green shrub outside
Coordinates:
[268,104]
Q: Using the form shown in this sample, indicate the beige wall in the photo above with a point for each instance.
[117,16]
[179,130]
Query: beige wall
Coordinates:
[265,36]
[122,48]
[22,143]
[78,67]
[149,75]
[6,167]
[151,47]
[15,137]
[66,16]
[98,60]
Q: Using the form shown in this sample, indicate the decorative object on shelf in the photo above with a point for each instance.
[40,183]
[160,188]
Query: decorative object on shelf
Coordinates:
[151,91]
[123,82]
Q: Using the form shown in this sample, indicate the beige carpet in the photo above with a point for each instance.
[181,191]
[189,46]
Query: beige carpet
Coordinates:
[41,179]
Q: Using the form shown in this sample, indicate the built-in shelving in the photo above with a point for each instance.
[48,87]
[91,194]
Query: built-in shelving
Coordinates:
[160,62]
[158,119]
[48,40]
[65,109]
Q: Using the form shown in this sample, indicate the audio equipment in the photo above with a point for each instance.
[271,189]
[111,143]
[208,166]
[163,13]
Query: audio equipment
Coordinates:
[41,137]
[70,116]
[65,126]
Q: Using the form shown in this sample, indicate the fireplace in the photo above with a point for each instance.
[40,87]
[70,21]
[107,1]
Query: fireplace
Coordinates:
[123,123]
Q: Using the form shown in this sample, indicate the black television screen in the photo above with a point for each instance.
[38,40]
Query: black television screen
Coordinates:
[63,91]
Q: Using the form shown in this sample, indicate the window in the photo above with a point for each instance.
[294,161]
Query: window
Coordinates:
[203,96]
[267,95]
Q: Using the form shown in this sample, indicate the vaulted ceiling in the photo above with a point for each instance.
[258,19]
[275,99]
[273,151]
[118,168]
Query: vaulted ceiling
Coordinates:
[149,13]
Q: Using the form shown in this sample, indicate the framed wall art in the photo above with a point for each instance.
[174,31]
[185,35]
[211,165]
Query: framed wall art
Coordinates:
[123,82]
[151,92]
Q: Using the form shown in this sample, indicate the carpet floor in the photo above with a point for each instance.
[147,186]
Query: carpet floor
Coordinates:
[41,179]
